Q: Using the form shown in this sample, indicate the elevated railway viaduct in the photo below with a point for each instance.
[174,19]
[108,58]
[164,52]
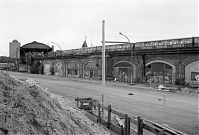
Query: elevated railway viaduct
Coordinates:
[161,61]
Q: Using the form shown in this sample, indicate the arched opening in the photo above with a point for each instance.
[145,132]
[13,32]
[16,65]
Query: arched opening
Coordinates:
[46,69]
[90,70]
[58,69]
[192,72]
[124,71]
[160,72]
[72,69]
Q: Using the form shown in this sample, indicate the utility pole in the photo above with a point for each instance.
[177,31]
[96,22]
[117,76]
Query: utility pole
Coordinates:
[103,59]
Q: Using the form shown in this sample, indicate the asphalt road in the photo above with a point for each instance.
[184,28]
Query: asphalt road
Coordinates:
[180,111]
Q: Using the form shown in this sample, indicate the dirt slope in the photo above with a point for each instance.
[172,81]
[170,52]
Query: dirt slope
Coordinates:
[26,108]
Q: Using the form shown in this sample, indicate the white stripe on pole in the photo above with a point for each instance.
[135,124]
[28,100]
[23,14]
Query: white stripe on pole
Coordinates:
[103,59]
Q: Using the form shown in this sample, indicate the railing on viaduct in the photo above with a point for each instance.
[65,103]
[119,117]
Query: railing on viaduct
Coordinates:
[138,46]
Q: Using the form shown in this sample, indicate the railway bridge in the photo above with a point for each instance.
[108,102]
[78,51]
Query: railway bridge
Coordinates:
[161,61]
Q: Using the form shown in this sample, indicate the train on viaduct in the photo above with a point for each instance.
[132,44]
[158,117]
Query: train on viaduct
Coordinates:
[172,61]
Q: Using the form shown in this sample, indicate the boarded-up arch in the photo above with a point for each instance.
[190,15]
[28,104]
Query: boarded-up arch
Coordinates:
[160,71]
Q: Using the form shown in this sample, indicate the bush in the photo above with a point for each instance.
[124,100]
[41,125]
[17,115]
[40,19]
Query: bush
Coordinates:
[138,80]
[180,81]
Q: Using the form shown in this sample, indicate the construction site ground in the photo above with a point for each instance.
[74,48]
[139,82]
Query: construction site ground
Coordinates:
[28,109]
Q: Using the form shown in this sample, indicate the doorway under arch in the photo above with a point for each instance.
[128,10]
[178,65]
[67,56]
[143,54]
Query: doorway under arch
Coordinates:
[90,70]
[47,67]
[58,69]
[124,71]
[72,69]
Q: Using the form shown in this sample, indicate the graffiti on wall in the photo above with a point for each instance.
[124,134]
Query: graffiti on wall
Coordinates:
[159,73]
[195,76]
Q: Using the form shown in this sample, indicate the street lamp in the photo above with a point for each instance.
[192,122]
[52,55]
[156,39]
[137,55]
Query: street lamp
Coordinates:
[61,58]
[131,55]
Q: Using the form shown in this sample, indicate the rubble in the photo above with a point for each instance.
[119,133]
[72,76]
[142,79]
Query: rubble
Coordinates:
[28,109]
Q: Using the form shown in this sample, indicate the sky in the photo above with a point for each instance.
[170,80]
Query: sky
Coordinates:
[69,22]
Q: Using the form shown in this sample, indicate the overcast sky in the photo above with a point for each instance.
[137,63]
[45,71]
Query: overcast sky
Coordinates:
[67,22]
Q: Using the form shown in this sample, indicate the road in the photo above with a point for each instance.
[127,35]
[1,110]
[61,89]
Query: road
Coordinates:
[180,111]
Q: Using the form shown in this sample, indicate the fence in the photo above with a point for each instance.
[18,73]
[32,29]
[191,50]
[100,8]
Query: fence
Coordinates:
[104,115]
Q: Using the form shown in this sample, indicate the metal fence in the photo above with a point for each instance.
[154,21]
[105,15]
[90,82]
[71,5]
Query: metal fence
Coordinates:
[172,43]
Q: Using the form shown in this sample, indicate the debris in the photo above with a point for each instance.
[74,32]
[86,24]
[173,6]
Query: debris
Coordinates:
[161,87]
[120,121]
[130,94]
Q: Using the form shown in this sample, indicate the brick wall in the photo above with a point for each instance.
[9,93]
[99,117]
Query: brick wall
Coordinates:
[182,64]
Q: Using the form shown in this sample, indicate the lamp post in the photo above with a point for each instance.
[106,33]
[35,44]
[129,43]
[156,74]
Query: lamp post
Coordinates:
[26,59]
[61,58]
[131,55]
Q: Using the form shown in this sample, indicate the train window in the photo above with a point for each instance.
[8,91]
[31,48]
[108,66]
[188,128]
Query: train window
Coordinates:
[196,40]
[187,41]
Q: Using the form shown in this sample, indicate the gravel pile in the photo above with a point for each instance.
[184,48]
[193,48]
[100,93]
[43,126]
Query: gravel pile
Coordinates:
[26,108]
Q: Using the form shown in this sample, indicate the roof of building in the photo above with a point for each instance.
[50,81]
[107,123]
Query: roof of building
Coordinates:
[15,41]
[35,45]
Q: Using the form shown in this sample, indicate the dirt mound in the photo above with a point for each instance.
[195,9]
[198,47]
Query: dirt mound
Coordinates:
[25,108]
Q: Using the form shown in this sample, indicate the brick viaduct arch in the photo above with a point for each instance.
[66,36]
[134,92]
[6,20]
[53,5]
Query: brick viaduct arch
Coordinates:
[58,67]
[83,67]
[180,65]
[74,71]
[165,62]
[133,70]
[47,65]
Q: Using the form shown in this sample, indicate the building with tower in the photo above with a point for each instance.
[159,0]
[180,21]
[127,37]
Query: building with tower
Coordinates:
[23,54]
[28,51]
[14,49]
